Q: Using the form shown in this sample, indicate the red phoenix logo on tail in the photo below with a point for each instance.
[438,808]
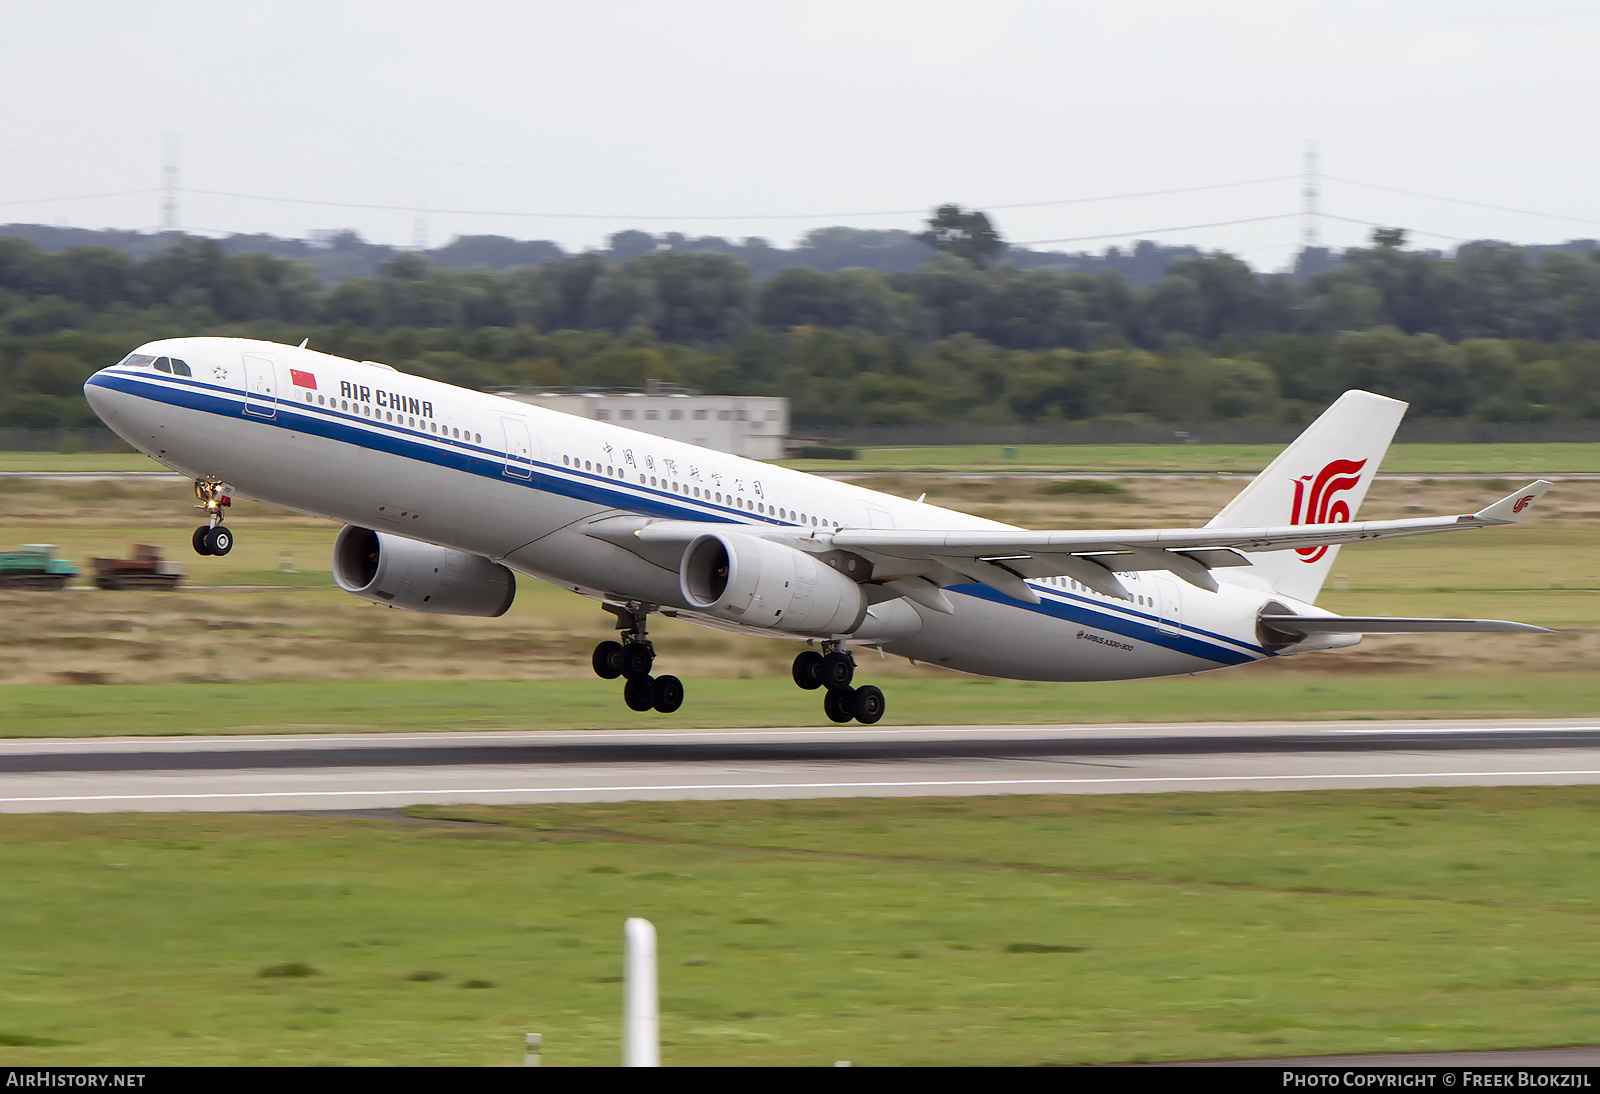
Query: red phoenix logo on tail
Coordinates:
[1522,503]
[1316,505]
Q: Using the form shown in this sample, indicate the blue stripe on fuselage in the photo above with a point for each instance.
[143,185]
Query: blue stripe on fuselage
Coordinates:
[1085,615]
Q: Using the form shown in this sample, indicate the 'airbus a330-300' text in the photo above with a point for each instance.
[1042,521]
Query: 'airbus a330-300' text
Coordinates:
[445,493]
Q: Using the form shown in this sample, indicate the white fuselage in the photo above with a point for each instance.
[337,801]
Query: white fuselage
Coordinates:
[519,484]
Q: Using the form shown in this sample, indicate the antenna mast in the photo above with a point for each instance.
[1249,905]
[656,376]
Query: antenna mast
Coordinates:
[169,187]
[1309,211]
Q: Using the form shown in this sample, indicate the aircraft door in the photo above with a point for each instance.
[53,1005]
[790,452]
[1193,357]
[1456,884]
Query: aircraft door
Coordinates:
[519,448]
[1171,598]
[260,386]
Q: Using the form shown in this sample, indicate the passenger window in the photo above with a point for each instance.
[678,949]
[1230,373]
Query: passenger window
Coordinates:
[477,438]
[164,365]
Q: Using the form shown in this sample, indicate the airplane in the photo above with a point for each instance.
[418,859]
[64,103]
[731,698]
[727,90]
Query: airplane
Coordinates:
[446,494]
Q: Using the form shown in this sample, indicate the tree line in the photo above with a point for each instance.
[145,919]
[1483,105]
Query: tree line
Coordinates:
[1491,333]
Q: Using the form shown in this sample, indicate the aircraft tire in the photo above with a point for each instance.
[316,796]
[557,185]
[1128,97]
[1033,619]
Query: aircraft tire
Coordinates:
[607,660]
[639,693]
[668,694]
[808,670]
[839,704]
[836,671]
[868,705]
[637,660]
[219,540]
[199,540]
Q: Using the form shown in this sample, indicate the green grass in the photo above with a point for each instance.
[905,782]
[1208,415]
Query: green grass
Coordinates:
[1016,930]
[78,461]
[376,706]
[1402,458]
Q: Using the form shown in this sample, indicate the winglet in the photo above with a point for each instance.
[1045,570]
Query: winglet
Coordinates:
[1509,509]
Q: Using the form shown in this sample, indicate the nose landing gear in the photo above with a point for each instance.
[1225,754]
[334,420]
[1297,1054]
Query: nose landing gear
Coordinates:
[632,658]
[834,670]
[211,538]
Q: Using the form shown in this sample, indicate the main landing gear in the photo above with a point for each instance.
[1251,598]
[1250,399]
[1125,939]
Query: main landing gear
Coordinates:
[833,670]
[632,659]
[212,538]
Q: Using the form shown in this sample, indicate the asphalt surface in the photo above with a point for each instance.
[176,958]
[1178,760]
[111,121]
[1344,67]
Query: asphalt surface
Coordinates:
[368,771]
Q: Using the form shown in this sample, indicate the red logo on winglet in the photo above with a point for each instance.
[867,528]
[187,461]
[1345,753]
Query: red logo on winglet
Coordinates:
[1316,505]
[1522,503]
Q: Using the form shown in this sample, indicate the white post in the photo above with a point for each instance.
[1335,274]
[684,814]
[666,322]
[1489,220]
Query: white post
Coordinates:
[641,1021]
[532,1048]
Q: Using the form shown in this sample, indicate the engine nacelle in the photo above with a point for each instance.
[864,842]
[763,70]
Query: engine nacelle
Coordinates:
[760,583]
[419,577]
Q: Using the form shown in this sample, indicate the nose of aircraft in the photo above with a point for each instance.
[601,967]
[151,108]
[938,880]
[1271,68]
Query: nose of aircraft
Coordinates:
[98,395]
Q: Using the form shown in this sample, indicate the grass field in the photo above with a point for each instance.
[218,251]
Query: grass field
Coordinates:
[1017,930]
[78,461]
[307,654]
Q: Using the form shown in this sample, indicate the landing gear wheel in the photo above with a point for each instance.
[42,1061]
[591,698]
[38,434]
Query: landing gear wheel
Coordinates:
[868,705]
[808,670]
[639,693]
[637,659]
[219,541]
[607,660]
[199,540]
[668,694]
[837,670]
[839,704]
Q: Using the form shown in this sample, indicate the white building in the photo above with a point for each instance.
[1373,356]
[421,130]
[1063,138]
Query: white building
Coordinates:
[744,425]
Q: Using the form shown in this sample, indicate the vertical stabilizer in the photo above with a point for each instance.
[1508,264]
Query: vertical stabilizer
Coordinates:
[1321,478]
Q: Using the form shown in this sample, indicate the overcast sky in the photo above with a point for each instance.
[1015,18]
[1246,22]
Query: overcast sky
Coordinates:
[771,117]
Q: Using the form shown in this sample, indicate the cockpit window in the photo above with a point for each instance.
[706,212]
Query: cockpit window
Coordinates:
[179,368]
[164,365]
[137,360]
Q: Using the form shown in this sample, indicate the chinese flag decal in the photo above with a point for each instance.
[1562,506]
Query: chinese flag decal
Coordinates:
[303,379]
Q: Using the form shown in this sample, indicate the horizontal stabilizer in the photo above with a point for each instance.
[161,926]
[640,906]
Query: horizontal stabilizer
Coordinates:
[1377,624]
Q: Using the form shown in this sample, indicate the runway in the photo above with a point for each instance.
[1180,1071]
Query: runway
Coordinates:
[366,771]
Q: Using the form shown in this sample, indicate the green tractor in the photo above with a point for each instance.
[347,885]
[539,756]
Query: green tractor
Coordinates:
[34,566]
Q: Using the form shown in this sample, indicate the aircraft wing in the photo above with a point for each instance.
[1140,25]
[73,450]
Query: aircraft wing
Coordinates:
[916,564]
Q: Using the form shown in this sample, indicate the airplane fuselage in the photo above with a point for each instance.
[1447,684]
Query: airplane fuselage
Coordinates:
[527,487]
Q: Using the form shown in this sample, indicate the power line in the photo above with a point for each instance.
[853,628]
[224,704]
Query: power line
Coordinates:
[1157,231]
[1462,201]
[1376,224]
[81,197]
[719,216]
[563,170]
[1478,170]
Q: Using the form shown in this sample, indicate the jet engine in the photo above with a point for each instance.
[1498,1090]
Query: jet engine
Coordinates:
[760,583]
[419,577]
